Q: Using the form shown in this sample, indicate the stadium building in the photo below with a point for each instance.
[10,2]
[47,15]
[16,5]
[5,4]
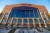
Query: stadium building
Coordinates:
[25,17]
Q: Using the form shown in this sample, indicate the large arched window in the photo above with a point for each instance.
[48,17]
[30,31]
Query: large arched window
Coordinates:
[25,12]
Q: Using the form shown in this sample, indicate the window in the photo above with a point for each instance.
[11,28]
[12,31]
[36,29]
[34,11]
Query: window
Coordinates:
[19,21]
[30,20]
[41,21]
[25,21]
[27,13]
[9,20]
[32,13]
[43,15]
[24,12]
[35,11]
[6,15]
[36,15]
[36,20]
[45,20]
[49,18]
[21,31]
[14,20]
[3,21]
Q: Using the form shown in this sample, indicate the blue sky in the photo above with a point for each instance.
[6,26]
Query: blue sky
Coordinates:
[46,3]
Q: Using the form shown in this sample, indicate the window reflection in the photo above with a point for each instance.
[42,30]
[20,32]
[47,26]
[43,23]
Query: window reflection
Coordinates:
[45,20]
[49,18]
[6,15]
[43,15]
[3,21]
[41,21]
[30,20]
[25,21]
[14,21]
[36,20]
[9,20]
[26,12]
[19,21]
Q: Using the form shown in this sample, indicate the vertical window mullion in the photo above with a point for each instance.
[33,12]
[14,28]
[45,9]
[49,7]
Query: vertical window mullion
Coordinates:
[29,13]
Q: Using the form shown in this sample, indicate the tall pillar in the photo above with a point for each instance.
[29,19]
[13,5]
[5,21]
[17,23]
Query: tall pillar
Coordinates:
[44,22]
[34,23]
[2,18]
[17,22]
[28,24]
[39,24]
[22,22]
[11,22]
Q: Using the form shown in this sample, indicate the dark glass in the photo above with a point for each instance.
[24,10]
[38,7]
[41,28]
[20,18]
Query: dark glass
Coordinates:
[24,12]
[36,15]
[31,13]
[14,20]
[27,13]
[25,21]
[9,20]
[41,21]
[43,15]
[30,20]
[45,20]
[3,21]
[19,21]
[36,20]
[35,11]
[49,18]
[6,15]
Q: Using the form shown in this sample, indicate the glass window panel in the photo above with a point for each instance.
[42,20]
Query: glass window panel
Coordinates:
[3,21]
[36,20]
[9,20]
[27,13]
[46,20]
[41,21]
[30,20]
[6,15]
[43,14]
[14,20]
[11,13]
[25,21]
[24,12]
[49,18]
[31,13]
[21,31]
[19,20]
[35,11]
[36,15]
